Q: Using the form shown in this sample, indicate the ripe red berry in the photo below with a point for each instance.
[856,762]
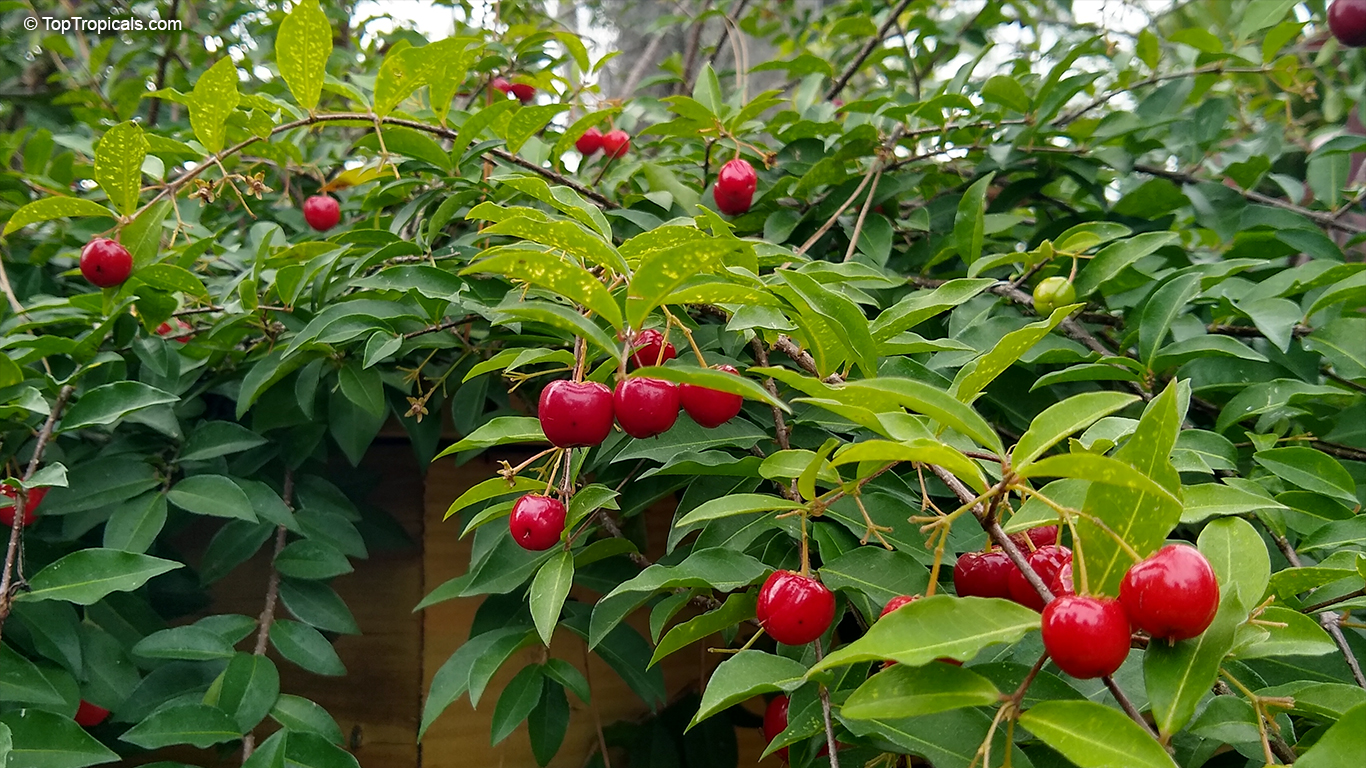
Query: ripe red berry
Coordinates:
[896,603]
[536,522]
[35,497]
[982,574]
[575,413]
[735,184]
[775,722]
[88,715]
[1172,595]
[648,346]
[794,609]
[1035,537]
[1347,22]
[1086,636]
[322,212]
[501,84]
[166,329]
[106,263]
[589,142]
[645,407]
[616,142]
[1063,583]
[1045,561]
[708,407]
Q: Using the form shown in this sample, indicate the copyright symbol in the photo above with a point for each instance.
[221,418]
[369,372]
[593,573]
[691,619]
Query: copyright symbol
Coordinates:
[31,23]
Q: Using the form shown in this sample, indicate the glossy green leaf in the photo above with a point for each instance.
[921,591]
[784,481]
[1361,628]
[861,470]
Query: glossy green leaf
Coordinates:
[548,591]
[213,495]
[1239,558]
[306,647]
[1310,469]
[302,46]
[902,691]
[713,379]
[661,272]
[735,504]
[214,98]
[247,690]
[1179,675]
[118,165]
[746,675]
[1093,735]
[49,208]
[974,378]
[44,740]
[969,225]
[926,399]
[737,608]
[86,576]
[554,273]
[499,431]
[197,725]
[1065,418]
[107,404]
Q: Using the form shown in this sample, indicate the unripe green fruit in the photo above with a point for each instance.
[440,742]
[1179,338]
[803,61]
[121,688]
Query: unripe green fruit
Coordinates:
[1053,293]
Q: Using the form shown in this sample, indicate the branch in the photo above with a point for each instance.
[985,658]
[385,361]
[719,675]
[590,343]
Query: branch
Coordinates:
[1128,707]
[443,326]
[725,32]
[1247,331]
[1328,619]
[779,424]
[830,742]
[272,597]
[1323,219]
[873,42]
[1316,607]
[7,581]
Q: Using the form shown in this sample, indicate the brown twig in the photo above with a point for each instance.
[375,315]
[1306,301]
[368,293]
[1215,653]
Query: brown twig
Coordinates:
[830,742]
[1316,607]
[442,326]
[780,428]
[8,581]
[272,598]
[1128,706]
[863,54]
[1328,619]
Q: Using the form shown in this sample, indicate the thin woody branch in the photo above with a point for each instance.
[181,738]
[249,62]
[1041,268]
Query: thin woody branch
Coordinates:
[272,598]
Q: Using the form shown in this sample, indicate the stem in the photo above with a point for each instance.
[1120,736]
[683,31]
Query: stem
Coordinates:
[862,215]
[825,713]
[1128,706]
[8,581]
[1328,619]
[779,425]
[867,50]
[1327,603]
[272,597]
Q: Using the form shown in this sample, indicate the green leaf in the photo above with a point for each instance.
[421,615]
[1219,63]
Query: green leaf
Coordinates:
[1239,558]
[1342,342]
[1286,633]
[118,165]
[306,647]
[1142,517]
[1179,675]
[211,439]
[197,725]
[247,690]
[922,305]
[548,723]
[213,495]
[527,121]
[560,317]
[554,273]
[1065,418]
[1115,257]
[1210,345]
[270,754]
[363,387]
[1161,310]
[877,573]
[304,718]
[302,45]
[1311,470]
[902,691]
[21,681]
[661,272]
[548,591]
[1006,91]
[499,431]
[921,450]
[214,98]
[1094,736]
[744,676]
[1098,469]
[84,577]
[713,379]
[969,226]
[108,403]
[188,643]
[317,604]
[308,559]
[735,504]
[567,236]
[492,488]
[519,697]
[843,316]
[453,678]
[973,379]
[50,208]
[1201,502]
[44,740]
[938,627]
[1341,746]
[923,398]
[737,608]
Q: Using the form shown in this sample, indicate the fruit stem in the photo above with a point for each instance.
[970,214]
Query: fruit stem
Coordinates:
[938,561]
[510,472]
[1080,556]
[806,549]
[872,528]
[702,361]
[1067,512]
[580,355]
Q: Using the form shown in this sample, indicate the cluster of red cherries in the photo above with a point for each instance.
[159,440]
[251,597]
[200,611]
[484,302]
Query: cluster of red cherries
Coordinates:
[579,414]
[1172,595]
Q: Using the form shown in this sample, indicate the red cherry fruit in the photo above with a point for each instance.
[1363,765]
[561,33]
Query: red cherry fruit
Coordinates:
[708,407]
[648,346]
[35,497]
[322,212]
[645,407]
[982,574]
[1347,22]
[166,329]
[1086,636]
[1173,594]
[735,184]
[775,722]
[575,413]
[1036,537]
[1045,561]
[106,263]
[589,142]
[616,142]
[88,715]
[501,84]
[794,609]
[1063,583]
[536,522]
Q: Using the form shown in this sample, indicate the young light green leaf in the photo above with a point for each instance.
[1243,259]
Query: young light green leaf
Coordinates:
[491,488]
[1093,735]
[661,272]
[567,236]
[1115,257]
[902,691]
[1065,418]
[499,431]
[554,273]
[1239,558]
[969,226]
[1201,502]
[923,398]
[214,98]
[746,675]
[735,504]
[973,379]
[560,317]
[49,208]
[942,626]
[1162,309]
[118,165]
[302,46]
[548,591]
[924,451]
[84,577]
